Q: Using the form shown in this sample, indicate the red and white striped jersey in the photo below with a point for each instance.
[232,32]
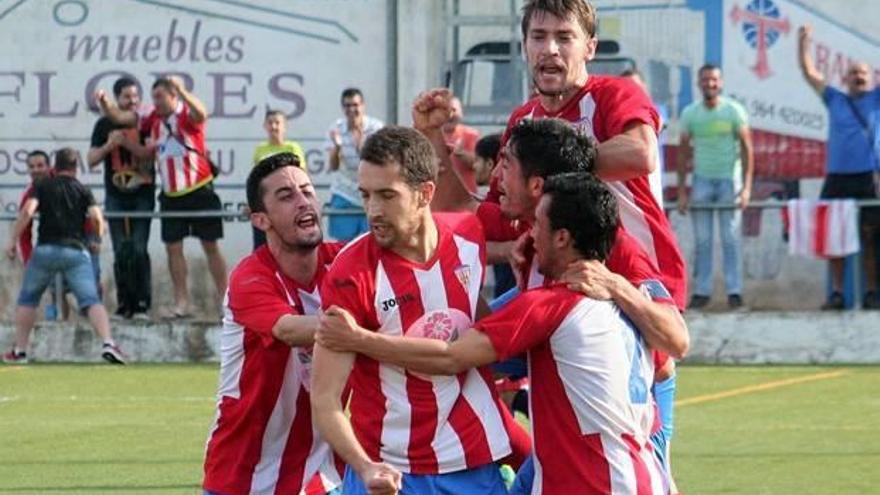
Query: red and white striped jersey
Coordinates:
[602,109]
[591,406]
[263,440]
[420,424]
[182,170]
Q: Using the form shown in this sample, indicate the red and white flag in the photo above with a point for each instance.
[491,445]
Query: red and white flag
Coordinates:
[822,228]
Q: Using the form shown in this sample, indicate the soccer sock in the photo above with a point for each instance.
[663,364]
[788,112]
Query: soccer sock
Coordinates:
[664,395]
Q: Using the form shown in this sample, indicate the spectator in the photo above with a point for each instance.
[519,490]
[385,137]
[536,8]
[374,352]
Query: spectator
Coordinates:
[64,204]
[346,137]
[852,159]
[129,186]
[176,128]
[715,136]
[275,125]
[38,168]
[462,141]
[485,159]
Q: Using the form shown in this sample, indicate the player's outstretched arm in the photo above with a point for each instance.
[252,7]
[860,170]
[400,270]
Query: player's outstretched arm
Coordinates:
[339,331]
[661,324]
[330,371]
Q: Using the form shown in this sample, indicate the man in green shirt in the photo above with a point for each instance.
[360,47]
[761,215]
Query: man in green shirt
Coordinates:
[276,129]
[715,137]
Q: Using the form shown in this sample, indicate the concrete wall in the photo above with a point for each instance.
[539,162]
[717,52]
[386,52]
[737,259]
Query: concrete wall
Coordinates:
[716,338]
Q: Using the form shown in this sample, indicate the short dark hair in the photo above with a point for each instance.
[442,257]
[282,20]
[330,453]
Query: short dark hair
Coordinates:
[707,67]
[546,147]
[586,208]
[350,93]
[66,159]
[406,147]
[271,112]
[164,83]
[122,83]
[263,169]
[488,146]
[583,11]
[39,153]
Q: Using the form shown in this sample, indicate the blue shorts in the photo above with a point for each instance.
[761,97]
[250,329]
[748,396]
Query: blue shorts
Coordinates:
[525,478]
[485,480]
[345,227]
[75,266]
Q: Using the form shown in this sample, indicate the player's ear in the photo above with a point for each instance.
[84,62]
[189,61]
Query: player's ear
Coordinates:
[590,49]
[261,221]
[535,186]
[562,238]
[426,192]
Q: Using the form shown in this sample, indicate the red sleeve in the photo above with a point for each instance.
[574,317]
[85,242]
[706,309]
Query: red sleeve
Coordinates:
[496,226]
[629,260]
[257,302]
[528,320]
[188,125]
[622,103]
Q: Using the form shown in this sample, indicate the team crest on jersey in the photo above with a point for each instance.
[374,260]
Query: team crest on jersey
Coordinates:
[463,274]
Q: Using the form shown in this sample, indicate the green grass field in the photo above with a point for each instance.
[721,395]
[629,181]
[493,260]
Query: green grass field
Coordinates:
[141,429]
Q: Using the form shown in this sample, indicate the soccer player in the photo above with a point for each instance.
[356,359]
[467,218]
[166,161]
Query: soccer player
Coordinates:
[590,369]
[559,41]
[263,440]
[536,150]
[415,274]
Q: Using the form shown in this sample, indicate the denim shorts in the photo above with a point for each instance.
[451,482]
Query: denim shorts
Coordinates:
[75,266]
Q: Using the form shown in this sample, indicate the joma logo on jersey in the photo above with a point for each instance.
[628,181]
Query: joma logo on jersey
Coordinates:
[394,302]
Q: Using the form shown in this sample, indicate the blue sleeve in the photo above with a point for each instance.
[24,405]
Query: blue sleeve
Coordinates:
[830,94]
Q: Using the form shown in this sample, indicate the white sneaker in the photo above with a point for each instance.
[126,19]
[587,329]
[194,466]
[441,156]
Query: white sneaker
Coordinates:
[113,354]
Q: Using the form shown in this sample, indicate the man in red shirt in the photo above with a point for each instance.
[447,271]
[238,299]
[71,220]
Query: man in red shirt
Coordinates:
[176,129]
[591,411]
[263,441]
[415,274]
[38,168]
